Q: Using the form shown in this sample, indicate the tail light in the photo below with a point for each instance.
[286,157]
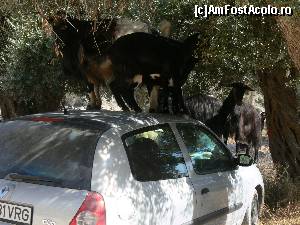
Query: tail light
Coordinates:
[91,212]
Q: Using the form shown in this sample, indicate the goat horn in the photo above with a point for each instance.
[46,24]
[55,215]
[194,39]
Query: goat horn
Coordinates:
[240,85]
[39,10]
[248,88]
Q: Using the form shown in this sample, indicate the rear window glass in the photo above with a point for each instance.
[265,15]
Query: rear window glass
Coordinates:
[154,154]
[54,151]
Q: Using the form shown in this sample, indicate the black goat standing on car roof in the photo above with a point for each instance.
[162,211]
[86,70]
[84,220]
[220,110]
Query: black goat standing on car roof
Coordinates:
[82,45]
[155,61]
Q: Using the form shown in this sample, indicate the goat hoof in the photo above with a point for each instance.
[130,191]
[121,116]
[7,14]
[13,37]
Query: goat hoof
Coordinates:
[93,107]
[151,110]
[166,110]
[89,107]
[183,111]
[138,110]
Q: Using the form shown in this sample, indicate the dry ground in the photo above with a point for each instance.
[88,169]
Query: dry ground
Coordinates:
[282,196]
[289,215]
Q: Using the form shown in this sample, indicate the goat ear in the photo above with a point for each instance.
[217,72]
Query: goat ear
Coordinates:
[235,84]
[58,17]
[240,85]
[192,40]
[61,14]
[50,20]
[248,88]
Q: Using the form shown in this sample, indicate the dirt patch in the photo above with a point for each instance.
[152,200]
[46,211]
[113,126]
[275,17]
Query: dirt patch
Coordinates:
[289,215]
[282,194]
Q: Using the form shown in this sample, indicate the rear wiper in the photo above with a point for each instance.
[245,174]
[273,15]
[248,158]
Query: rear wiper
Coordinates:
[31,179]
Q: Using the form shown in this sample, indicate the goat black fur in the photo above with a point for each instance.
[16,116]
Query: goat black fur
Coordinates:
[147,54]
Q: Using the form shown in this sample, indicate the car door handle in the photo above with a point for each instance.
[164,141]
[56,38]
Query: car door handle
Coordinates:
[204,191]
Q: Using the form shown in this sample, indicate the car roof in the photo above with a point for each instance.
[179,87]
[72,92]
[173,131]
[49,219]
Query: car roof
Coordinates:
[111,118]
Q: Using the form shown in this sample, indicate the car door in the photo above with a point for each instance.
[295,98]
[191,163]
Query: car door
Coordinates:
[213,173]
[161,191]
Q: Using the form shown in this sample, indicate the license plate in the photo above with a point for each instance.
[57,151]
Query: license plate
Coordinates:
[15,213]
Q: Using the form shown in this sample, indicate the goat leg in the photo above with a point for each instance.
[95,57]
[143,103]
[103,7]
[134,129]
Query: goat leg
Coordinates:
[92,103]
[117,94]
[182,108]
[257,144]
[256,153]
[121,102]
[226,133]
[163,100]
[174,99]
[97,95]
[92,96]
[154,92]
[128,96]
[177,101]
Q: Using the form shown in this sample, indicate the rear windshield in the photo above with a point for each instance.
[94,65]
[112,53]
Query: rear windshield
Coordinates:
[55,151]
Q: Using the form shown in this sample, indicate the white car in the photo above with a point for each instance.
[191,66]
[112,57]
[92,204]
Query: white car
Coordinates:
[116,168]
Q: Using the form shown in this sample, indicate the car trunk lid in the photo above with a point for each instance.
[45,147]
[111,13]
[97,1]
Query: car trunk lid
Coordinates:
[46,169]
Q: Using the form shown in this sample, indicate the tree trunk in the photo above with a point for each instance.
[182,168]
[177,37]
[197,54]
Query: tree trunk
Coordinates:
[7,107]
[283,128]
[290,28]
[298,100]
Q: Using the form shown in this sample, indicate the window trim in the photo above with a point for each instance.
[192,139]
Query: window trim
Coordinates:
[206,129]
[149,128]
[142,130]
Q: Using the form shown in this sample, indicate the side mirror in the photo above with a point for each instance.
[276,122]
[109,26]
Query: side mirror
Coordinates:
[244,160]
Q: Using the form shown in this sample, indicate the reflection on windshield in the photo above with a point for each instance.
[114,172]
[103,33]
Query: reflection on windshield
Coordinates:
[154,154]
[206,152]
